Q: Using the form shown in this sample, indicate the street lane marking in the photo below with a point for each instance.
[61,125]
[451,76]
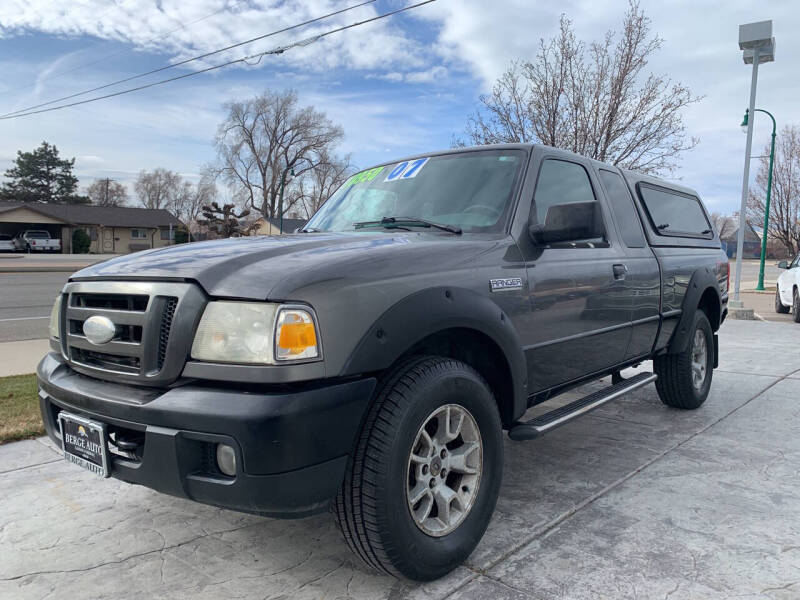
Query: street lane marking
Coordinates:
[23,319]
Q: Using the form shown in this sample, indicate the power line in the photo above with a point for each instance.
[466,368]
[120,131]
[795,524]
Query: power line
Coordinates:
[244,59]
[188,60]
[118,52]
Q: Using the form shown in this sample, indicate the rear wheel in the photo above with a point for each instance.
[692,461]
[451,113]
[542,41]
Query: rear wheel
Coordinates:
[795,306]
[422,484]
[684,379]
[779,307]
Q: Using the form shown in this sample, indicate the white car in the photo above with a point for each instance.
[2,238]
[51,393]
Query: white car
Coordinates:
[6,243]
[787,296]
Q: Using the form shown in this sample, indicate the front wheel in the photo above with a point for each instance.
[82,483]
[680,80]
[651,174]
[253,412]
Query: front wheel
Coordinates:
[684,378]
[423,482]
[779,307]
[795,306]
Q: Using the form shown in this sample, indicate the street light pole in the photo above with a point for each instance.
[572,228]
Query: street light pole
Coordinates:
[746,176]
[280,198]
[760,286]
[756,40]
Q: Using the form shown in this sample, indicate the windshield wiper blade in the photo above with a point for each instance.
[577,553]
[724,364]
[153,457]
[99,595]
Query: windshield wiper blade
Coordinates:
[410,221]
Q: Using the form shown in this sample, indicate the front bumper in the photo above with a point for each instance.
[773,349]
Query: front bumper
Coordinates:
[291,446]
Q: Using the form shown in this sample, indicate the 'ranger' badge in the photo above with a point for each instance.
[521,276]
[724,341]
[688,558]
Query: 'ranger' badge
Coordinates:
[509,283]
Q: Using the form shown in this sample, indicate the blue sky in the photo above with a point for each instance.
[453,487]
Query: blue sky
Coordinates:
[400,86]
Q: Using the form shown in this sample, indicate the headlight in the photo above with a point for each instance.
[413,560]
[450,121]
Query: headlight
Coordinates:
[55,319]
[254,332]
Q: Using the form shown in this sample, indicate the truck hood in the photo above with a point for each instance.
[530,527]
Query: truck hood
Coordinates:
[276,267]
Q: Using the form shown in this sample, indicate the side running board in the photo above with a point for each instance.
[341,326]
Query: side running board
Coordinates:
[542,424]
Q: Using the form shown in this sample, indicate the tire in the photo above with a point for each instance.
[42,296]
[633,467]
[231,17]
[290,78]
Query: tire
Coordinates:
[779,307]
[795,306]
[373,508]
[676,385]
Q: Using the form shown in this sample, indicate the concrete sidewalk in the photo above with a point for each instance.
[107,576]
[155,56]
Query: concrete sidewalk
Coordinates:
[35,263]
[21,357]
[635,500]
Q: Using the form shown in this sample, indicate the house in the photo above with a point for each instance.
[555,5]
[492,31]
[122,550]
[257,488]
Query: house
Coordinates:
[264,226]
[112,229]
[729,237]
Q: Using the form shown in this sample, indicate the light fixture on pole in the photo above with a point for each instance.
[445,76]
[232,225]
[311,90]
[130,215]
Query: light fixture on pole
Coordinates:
[758,46]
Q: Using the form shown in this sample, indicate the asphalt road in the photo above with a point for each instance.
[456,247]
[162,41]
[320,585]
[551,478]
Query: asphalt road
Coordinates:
[25,302]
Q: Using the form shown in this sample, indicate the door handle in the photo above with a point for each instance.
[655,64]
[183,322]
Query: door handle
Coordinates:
[619,272]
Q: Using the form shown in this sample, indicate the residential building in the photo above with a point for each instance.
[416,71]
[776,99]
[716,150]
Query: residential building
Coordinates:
[112,229]
[264,226]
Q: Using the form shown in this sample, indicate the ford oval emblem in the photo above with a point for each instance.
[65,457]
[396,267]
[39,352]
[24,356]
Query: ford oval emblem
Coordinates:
[99,329]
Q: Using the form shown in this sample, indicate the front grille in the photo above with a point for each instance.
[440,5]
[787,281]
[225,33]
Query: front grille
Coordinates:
[107,361]
[143,313]
[128,302]
[166,325]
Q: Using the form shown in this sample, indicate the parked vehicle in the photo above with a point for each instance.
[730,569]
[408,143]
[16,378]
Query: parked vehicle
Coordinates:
[36,240]
[7,243]
[787,297]
[372,360]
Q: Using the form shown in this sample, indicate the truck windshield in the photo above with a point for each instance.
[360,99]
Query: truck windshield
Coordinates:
[468,190]
[39,235]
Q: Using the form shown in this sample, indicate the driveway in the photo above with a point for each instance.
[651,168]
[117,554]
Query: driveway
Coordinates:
[635,500]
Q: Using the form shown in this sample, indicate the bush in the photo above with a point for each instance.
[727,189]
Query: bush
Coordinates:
[80,242]
[181,236]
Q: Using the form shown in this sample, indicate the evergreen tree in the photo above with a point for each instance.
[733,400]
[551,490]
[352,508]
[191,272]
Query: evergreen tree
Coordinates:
[42,176]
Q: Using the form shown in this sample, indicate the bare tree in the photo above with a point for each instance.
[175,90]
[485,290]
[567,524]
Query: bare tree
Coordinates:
[723,224]
[784,209]
[320,183]
[158,188]
[223,219]
[265,137]
[595,100]
[190,198]
[105,192]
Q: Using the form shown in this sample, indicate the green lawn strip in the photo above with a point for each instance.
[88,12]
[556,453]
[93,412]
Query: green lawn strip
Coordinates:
[19,408]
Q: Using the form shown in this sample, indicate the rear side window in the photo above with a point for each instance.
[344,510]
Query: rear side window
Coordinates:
[673,213]
[624,211]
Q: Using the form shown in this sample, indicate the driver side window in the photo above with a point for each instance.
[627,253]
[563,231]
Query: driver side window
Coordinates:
[562,182]
[795,262]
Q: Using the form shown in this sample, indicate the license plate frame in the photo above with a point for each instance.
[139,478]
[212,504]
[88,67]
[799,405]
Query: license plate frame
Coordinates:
[84,443]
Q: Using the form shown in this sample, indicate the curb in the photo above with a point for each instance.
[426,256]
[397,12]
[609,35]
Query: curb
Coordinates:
[43,269]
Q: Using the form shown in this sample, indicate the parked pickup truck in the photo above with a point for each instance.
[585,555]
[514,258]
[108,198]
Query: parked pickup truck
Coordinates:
[36,240]
[372,360]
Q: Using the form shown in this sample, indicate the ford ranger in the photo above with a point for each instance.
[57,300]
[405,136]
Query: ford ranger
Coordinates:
[371,361]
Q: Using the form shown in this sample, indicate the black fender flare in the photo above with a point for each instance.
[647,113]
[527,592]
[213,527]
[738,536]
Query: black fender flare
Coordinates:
[701,281]
[430,311]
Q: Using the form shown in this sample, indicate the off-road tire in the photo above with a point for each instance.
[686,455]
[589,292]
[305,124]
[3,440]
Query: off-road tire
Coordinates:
[795,306]
[371,508]
[674,384]
[779,307]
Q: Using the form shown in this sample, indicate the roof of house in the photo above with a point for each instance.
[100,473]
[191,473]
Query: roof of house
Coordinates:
[750,234]
[88,214]
[289,225]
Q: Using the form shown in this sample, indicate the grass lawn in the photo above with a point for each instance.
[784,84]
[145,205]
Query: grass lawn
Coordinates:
[19,408]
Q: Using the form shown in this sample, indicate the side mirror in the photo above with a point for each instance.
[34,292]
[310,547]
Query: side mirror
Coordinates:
[568,222]
[783,265]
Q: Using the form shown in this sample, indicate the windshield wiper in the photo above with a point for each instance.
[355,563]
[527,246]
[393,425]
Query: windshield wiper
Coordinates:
[408,221]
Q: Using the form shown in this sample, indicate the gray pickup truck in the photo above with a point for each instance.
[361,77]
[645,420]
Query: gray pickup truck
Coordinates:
[371,361]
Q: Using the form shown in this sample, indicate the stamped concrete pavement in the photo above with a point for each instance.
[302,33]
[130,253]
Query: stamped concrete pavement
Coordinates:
[635,500]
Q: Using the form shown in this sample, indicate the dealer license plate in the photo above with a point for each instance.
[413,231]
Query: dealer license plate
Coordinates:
[84,443]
